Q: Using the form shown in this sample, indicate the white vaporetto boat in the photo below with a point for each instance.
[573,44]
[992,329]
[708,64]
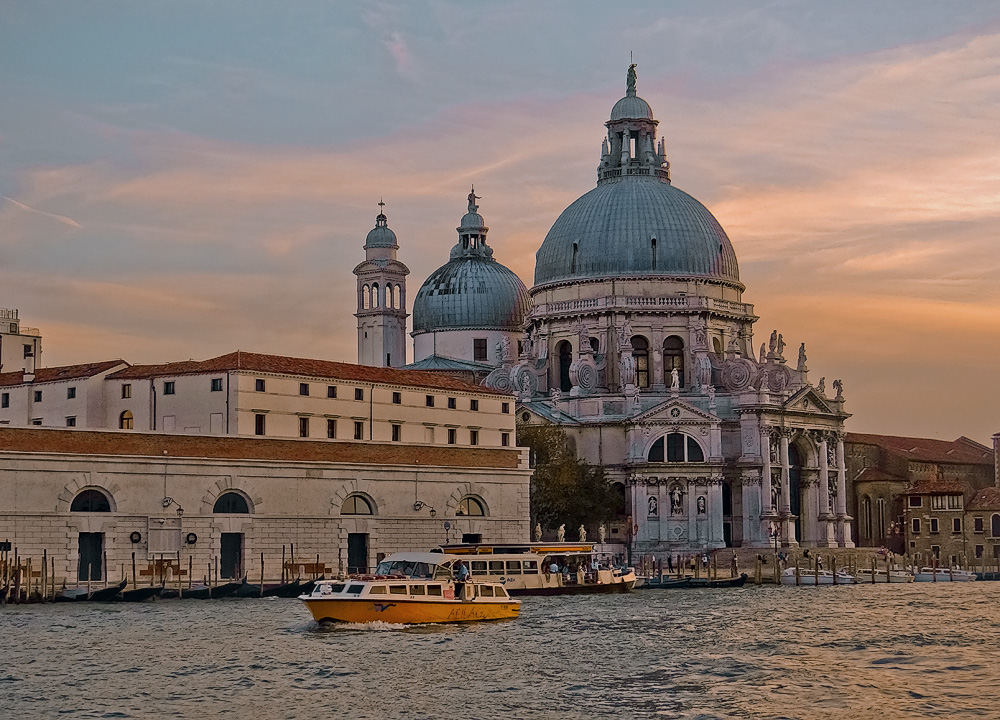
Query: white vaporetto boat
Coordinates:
[893,576]
[929,574]
[811,577]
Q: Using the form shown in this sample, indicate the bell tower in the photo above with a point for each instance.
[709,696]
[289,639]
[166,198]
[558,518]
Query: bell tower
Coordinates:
[381,299]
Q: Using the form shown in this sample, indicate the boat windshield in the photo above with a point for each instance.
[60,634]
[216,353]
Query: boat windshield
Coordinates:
[405,569]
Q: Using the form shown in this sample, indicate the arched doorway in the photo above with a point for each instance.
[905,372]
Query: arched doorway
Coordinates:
[565,352]
[795,488]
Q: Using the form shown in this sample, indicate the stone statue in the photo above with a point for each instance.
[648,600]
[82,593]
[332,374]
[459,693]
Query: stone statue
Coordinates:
[675,380]
[504,349]
[802,357]
[538,532]
[583,534]
[773,343]
[838,385]
[627,332]
[556,395]
[472,200]
[711,395]
[675,501]
[775,493]
[765,379]
[626,365]
[525,385]
[701,504]
[561,532]
[781,346]
[654,505]
[821,388]
[583,339]
[763,354]
[630,79]
[602,533]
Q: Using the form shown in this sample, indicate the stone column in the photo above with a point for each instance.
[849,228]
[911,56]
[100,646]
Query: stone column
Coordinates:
[827,527]
[717,538]
[765,478]
[786,470]
[843,519]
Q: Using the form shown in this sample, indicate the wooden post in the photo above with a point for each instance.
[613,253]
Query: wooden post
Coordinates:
[776,572]
[262,570]
[715,566]
[135,578]
[816,569]
[282,566]
[291,553]
[216,569]
[180,589]
[105,568]
[316,568]
[44,578]
[190,570]
[934,566]
[833,568]
[798,572]
[52,575]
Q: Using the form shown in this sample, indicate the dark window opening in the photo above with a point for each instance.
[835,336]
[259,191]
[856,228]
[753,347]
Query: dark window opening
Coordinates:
[231,503]
[640,353]
[565,351]
[359,430]
[91,501]
[673,359]
[258,424]
[479,349]
[259,385]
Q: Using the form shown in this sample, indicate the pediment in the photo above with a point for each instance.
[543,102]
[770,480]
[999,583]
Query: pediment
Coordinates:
[675,412]
[809,401]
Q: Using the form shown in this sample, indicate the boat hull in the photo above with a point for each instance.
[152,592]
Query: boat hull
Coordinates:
[408,612]
[589,589]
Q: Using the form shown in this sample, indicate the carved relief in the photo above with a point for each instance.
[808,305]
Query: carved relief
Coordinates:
[738,374]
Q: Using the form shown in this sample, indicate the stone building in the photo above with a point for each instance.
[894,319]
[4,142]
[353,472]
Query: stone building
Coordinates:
[381,299]
[20,346]
[91,499]
[982,524]
[639,343]
[883,470]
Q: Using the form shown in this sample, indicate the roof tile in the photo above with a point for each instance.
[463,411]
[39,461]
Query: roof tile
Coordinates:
[65,372]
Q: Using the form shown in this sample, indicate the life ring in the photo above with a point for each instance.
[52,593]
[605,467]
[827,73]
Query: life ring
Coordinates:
[135,537]
[191,539]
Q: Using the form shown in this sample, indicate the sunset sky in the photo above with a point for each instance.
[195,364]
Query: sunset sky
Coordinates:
[179,180]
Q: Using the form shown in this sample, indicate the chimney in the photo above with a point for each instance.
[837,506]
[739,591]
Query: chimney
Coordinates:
[996,459]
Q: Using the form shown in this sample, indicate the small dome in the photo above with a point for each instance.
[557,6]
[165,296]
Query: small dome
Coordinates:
[471,292]
[631,107]
[381,235]
[472,221]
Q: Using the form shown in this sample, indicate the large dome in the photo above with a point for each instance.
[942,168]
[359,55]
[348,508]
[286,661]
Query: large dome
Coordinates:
[609,233]
[471,293]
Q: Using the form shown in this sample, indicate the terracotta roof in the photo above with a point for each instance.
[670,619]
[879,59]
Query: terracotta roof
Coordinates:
[961,451]
[938,487]
[985,499]
[256,362]
[65,372]
[98,442]
[873,474]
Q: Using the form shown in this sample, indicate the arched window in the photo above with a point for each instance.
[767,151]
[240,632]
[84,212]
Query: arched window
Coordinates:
[621,499]
[866,518]
[572,266]
[673,357]
[388,297]
[676,447]
[595,344]
[365,297]
[91,501]
[231,503]
[717,346]
[125,421]
[995,526]
[640,353]
[397,297]
[374,295]
[471,506]
[879,518]
[565,351]
[356,505]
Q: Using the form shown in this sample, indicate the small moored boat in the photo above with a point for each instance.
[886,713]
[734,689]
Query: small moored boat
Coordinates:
[893,576]
[929,574]
[811,577]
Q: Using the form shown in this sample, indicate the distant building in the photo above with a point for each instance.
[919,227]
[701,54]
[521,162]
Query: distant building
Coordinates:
[381,299]
[20,346]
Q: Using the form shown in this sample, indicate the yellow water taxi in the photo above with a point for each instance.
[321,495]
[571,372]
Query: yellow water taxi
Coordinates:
[426,593]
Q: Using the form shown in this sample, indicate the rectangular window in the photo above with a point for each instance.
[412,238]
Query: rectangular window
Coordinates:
[473,437]
[956,525]
[71,422]
[5,400]
[397,398]
[916,501]
[505,408]
[331,391]
[359,394]
[977,525]
[478,567]
[259,385]
[28,352]
[38,395]
[473,404]
[452,403]
[979,551]
[331,428]
[937,502]
[70,393]
[505,439]
[126,391]
[36,421]
[954,502]
[359,430]
[434,590]
[303,388]
[429,400]
[168,387]
[304,427]
[513,567]
[934,525]
[936,550]
[915,525]
[452,436]
[216,384]
[258,424]
[397,432]
[479,349]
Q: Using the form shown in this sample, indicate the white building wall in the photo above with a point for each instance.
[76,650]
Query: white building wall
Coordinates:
[458,344]
[16,341]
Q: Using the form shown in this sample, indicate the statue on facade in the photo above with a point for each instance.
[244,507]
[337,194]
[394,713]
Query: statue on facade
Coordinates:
[838,385]
[763,354]
[653,506]
[701,504]
[583,534]
[583,339]
[525,385]
[781,346]
[626,366]
[775,494]
[538,532]
[472,200]
[556,395]
[630,79]
[602,533]
[503,350]
[676,498]
[765,379]
[711,395]
[561,532]
[802,358]
[773,342]
[675,380]
[821,388]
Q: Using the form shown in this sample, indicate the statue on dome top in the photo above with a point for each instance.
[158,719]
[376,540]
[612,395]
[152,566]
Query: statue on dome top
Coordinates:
[781,346]
[630,82]
[472,200]
[802,357]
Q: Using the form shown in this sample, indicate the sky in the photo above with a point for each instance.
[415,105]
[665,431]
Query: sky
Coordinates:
[183,179]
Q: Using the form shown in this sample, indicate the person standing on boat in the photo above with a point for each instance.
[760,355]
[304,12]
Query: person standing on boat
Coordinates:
[461,576]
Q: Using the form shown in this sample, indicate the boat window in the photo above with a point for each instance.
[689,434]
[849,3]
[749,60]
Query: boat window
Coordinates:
[355,589]
[408,569]
[383,568]
[443,571]
[417,589]
[479,566]
[496,567]
[339,587]
[434,590]
[376,590]
[485,591]
[530,567]
[422,570]
[397,589]
[513,567]
[501,592]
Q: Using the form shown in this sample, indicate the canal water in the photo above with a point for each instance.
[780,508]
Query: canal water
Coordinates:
[897,651]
